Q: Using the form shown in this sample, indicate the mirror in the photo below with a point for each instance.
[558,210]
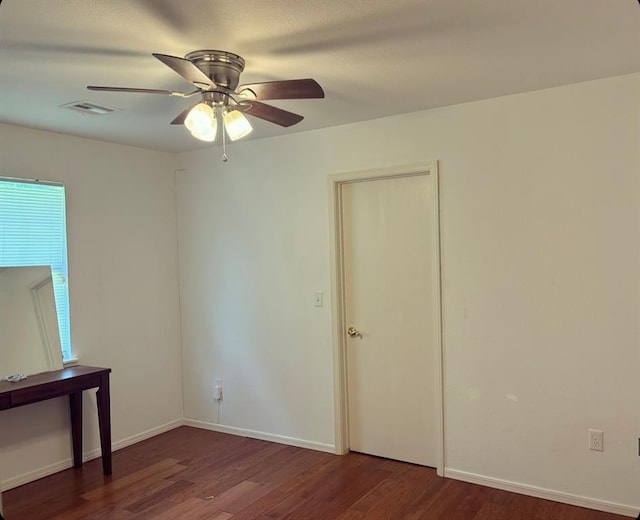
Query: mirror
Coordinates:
[29,336]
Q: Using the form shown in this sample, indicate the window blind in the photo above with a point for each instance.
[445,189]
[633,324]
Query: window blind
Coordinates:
[32,233]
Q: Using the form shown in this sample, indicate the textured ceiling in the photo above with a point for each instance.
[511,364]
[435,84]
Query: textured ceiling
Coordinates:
[374,58]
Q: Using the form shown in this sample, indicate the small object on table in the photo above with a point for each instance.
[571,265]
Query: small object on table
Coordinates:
[14,378]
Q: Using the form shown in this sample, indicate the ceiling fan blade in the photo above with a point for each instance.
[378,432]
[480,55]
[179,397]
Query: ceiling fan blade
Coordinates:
[270,113]
[287,89]
[137,90]
[187,70]
[179,119]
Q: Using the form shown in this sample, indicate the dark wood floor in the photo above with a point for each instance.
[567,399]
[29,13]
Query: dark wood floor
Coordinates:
[196,474]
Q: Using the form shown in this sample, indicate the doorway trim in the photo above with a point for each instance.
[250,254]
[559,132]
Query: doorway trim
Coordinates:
[341,419]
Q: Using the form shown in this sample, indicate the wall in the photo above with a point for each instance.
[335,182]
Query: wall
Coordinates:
[540,226]
[122,249]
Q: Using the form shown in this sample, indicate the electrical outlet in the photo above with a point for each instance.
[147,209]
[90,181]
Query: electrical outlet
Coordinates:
[596,440]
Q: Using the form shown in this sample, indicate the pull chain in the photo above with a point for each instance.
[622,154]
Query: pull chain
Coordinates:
[224,141]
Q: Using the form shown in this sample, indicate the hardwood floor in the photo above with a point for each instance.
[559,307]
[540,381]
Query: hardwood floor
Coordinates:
[196,474]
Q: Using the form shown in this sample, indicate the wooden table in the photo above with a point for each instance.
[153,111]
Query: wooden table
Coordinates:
[71,381]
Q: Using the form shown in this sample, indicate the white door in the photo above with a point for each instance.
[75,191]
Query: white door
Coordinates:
[390,270]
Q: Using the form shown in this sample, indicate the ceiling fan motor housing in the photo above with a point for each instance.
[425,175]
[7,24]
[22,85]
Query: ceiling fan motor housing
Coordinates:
[221,67]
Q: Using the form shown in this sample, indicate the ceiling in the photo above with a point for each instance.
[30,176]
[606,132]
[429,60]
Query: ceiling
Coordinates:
[374,58]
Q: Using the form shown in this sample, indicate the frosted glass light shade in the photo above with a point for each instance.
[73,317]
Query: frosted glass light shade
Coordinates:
[237,125]
[208,134]
[201,122]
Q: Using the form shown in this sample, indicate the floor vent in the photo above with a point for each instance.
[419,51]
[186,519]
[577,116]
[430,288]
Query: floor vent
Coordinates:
[87,107]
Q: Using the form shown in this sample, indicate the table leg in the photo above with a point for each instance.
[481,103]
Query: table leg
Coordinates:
[75,407]
[104,421]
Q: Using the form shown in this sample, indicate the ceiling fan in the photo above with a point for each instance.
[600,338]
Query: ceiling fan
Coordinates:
[216,75]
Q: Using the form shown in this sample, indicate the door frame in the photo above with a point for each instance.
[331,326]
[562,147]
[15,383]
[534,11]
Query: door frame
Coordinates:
[338,324]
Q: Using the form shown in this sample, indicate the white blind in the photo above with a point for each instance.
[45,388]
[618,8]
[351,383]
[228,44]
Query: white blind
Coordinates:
[33,232]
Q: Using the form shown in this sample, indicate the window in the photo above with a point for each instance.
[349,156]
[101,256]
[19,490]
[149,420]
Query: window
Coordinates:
[33,232]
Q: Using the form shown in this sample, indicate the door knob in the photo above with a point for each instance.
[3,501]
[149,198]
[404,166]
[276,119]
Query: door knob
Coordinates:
[353,332]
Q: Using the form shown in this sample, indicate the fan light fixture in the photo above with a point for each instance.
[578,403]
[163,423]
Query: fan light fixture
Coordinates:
[202,122]
[236,124]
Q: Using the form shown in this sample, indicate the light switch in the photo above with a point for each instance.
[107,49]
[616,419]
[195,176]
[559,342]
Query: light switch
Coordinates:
[317,299]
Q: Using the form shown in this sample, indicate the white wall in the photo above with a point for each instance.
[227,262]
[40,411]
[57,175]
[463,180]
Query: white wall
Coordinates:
[540,224]
[122,249]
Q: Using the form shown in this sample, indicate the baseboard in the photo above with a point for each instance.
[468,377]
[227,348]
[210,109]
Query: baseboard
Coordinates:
[134,439]
[547,494]
[36,474]
[242,432]
[67,463]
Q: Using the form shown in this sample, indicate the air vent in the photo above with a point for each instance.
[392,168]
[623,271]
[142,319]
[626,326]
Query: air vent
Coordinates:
[89,108]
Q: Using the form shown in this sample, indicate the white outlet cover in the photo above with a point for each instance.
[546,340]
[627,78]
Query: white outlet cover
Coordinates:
[596,440]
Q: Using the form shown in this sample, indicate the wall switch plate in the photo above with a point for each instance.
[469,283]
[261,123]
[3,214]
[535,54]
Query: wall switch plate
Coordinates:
[318,299]
[217,391]
[596,440]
